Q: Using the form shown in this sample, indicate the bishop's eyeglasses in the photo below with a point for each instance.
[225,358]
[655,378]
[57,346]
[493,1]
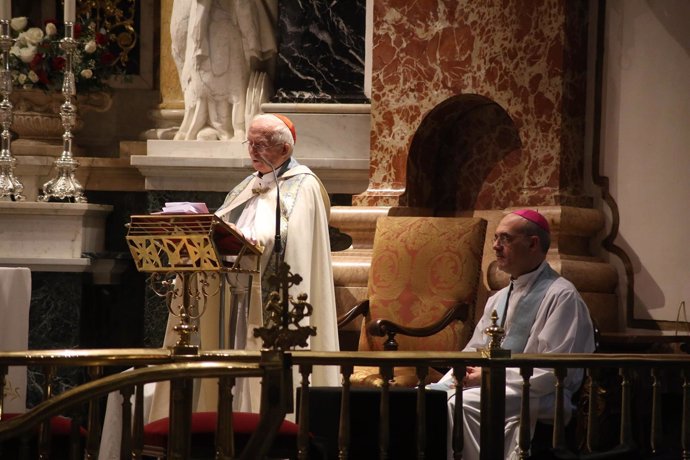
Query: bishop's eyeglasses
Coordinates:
[257,147]
[505,239]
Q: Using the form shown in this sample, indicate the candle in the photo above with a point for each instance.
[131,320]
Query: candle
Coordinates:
[70,11]
[6,9]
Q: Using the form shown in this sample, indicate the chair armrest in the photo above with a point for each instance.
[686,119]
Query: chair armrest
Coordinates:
[362,308]
[384,327]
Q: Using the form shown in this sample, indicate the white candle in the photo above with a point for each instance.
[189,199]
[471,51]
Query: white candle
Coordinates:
[6,9]
[70,11]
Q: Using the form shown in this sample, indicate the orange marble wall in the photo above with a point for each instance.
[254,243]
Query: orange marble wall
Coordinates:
[529,56]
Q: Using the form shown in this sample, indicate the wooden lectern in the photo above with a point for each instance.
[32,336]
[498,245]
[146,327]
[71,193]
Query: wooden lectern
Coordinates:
[189,248]
[182,252]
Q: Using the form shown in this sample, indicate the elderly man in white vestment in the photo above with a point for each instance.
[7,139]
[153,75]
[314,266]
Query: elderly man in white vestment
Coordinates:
[541,312]
[305,206]
[251,207]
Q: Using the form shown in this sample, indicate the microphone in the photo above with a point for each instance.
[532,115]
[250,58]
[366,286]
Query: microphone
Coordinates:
[278,246]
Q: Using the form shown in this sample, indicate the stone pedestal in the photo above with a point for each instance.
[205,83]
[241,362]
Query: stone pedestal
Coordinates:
[51,237]
[54,241]
[111,174]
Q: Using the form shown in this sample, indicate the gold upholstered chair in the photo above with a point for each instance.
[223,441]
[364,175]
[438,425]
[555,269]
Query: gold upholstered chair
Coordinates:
[422,289]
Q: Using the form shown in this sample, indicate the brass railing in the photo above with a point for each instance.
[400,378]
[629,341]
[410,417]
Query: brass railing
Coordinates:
[273,368]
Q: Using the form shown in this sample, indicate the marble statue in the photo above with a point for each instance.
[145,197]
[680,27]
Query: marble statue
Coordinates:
[219,48]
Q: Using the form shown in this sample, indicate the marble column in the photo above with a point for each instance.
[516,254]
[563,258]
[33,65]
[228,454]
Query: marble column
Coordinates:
[171,93]
[168,115]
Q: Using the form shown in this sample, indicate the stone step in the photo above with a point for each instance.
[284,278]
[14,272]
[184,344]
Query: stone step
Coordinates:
[351,267]
[358,221]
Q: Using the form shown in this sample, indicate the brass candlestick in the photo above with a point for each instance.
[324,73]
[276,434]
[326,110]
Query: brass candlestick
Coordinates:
[496,335]
[10,187]
[65,185]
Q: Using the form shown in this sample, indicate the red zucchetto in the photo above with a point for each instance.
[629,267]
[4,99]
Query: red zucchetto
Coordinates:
[289,124]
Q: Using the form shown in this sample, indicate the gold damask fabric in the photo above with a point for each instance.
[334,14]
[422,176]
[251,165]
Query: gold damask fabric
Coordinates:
[420,267]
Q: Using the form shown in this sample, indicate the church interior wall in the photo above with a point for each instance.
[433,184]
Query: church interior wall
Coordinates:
[521,56]
[405,86]
[412,45]
[646,107]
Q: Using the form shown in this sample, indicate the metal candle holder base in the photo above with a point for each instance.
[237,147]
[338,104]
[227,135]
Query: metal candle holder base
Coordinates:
[65,186]
[10,187]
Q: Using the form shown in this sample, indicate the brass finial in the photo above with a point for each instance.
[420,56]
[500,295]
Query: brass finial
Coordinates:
[281,329]
[496,334]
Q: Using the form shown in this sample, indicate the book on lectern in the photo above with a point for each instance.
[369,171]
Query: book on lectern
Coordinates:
[183,207]
[181,219]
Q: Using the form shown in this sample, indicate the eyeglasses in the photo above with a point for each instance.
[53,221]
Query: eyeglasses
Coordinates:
[505,239]
[259,148]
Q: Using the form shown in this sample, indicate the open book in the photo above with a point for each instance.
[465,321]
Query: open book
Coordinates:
[183,207]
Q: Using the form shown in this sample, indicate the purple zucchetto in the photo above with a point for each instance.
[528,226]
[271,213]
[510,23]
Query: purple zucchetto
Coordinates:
[534,216]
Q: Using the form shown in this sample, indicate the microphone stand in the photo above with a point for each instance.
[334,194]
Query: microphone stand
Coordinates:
[277,244]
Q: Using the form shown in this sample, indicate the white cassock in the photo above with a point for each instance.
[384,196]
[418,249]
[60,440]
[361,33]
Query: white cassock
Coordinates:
[562,325]
[304,233]
[251,206]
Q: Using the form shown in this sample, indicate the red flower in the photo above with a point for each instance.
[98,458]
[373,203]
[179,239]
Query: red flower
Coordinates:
[36,61]
[77,31]
[101,39]
[42,76]
[107,58]
[58,63]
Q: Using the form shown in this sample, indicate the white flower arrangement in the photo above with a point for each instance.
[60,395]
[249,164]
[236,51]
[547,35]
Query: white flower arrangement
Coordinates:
[37,61]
